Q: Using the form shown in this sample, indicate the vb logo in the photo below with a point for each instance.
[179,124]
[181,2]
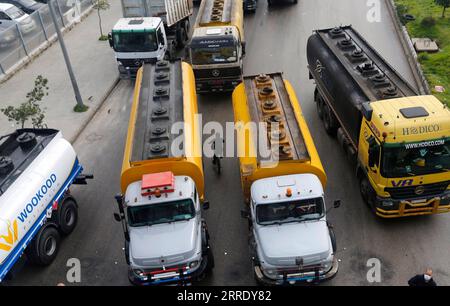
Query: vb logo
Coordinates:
[7,241]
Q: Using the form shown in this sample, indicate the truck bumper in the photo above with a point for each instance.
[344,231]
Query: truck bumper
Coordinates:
[412,207]
[217,85]
[178,280]
[128,72]
[298,278]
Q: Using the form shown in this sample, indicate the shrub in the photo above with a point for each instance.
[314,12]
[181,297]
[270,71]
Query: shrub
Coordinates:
[428,22]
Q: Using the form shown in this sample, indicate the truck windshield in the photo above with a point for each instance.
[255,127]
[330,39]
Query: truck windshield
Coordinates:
[135,42]
[286,212]
[152,214]
[213,51]
[417,158]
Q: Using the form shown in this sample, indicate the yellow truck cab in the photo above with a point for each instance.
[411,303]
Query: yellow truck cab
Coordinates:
[217,47]
[291,240]
[399,140]
[162,181]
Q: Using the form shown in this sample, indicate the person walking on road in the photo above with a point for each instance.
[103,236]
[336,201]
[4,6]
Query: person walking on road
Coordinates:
[423,280]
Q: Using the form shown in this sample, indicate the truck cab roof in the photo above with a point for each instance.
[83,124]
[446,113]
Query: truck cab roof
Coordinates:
[411,119]
[274,189]
[137,24]
[184,189]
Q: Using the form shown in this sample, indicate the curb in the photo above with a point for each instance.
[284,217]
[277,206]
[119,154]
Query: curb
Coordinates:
[409,50]
[94,110]
[40,49]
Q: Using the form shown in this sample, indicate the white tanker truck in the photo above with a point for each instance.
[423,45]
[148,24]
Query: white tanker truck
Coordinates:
[37,167]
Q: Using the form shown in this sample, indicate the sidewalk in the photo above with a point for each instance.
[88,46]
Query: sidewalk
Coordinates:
[94,66]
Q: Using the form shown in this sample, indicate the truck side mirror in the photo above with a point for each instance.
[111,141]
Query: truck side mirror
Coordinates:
[119,198]
[245,214]
[117,217]
[111,43]
[206,205]
[337,204]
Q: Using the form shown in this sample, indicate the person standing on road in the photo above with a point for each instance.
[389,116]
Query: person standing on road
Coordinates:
[423,280]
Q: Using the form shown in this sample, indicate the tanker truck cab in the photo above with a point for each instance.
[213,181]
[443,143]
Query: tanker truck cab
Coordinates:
[217,47]
[292,240]
[405,146]
[137,41]
[167,236]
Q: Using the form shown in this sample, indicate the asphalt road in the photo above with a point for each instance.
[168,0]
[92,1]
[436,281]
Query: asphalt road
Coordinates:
[276,41]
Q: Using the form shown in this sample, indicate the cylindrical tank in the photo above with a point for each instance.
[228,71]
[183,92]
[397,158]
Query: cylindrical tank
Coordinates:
[342,92]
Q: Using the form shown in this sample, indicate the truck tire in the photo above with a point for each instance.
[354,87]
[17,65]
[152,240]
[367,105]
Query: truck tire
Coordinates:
[127,252]
[44,247]
[68,216]
[367,192]
[332,238]
[329,121]
[182,35]
[211,264]
[319,105]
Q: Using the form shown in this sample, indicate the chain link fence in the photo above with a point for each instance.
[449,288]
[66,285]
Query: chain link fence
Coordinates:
[22,38]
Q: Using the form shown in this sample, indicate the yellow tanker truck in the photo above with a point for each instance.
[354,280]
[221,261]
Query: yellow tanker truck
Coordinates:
[291,241]
[217,47]
[162,182]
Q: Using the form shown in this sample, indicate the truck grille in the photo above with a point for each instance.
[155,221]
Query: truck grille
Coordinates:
[400,193]
[217,73]
[135,63]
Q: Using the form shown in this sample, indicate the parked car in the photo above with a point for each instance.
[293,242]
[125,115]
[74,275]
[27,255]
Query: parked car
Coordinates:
[28,6]
[11,15]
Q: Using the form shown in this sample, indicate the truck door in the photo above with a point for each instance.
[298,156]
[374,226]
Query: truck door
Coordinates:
[162,41]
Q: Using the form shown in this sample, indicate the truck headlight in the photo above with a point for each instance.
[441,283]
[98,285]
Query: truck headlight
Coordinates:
[445,199]
[193,264]
[326,265]
[271,272]
[138,272]
[387,203]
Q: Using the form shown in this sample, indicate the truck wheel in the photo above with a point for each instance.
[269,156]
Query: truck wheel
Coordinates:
[127,252]
[319,106]
[68,216]
[44,247]
[182,38]
[332,238]
[329,121]
[366,192]
[211,263]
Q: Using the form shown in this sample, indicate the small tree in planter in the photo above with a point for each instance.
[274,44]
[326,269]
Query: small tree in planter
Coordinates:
[101,5]
[445,4]
[30,109]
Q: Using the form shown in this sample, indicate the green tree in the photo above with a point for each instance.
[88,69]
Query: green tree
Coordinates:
[445,4]
[101,5]
[30,109]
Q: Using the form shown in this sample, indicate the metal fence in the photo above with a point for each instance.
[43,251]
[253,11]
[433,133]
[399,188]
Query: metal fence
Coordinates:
[21,39]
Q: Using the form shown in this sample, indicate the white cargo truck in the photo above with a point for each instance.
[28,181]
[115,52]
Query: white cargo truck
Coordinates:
[37,167]
[149,31]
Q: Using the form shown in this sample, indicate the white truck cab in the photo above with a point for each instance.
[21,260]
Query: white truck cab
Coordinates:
[137,41]
[168,239]
[291,239]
